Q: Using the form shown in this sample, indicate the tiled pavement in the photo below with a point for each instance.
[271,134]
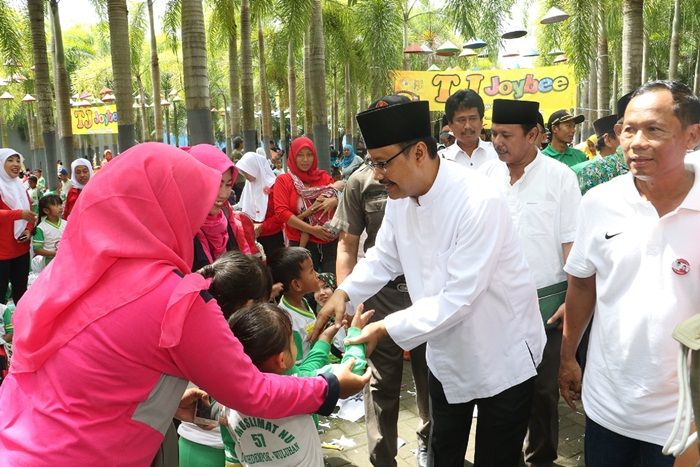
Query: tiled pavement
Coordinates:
[570,435]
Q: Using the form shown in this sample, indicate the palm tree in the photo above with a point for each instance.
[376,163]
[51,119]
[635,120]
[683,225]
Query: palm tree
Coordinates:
[603,84]
[121,70]
[632,33]
[381,42]
[155,75]
[63,110]
[224,32]
[137,38]
[317,75]
[308,112]
[292,86]
[264,96]
[11,45]
[247,93]
[675,41]
[194,59]
[42,84]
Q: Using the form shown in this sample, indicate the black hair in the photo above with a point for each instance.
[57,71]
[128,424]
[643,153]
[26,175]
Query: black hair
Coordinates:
[264,330]
[32,178]
[686,106]
[444,120]
[463,99]
[237,142]
[46,201]
[285,264]
[237,278]
[429,141]
[528,126]
[600,143]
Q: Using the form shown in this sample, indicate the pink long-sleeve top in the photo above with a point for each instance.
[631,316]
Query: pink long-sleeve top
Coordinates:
[108,395]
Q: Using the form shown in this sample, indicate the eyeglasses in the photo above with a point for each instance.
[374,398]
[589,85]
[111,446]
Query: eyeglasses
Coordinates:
[381,165]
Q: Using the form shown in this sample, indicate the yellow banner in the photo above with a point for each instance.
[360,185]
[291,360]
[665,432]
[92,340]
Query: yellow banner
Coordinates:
[98,119]
[554,87]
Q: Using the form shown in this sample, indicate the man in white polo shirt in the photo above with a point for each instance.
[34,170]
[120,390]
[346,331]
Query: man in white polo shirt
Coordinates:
[465,116]
[636,262]
[543,197]
[449,231]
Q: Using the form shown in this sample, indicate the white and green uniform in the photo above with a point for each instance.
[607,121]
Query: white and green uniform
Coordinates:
[291,441]
[302,324]
[46,237]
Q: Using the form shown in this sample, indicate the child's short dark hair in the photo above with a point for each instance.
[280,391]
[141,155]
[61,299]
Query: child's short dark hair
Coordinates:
[237,278]
[46,201]
[264,330]
[285,264]
[32,178]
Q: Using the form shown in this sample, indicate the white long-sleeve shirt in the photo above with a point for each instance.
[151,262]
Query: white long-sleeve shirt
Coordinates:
[474,301]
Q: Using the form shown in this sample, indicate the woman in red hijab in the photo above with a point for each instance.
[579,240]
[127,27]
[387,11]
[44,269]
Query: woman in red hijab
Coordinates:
[305,200]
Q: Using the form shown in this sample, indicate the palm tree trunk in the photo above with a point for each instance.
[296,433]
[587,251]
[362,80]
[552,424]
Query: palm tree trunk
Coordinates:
[42,84]
[194,62]
[142,108]
[592,96]
[696,81]
[334,128]
[292,85]
[405,34]
[234,83]
[155,77]
[603,66]
[121,71]
[317,73]
[632,33]
[675,41]
[283,120]
[308,114]
[615,87]
[265,106]
[65,140]
[348,105]
[645,58]
[247,94]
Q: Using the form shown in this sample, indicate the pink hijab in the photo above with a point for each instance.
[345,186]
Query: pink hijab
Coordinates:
[133,225]
[214,231]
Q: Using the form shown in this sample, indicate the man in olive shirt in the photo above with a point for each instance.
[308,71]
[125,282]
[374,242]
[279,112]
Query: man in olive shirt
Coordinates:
[562,126]
[362,208]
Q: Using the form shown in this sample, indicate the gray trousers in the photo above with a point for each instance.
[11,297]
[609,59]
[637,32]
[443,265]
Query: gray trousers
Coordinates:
[381,396]
[543,429]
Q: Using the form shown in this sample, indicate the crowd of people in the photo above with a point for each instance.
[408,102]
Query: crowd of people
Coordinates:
[187,307]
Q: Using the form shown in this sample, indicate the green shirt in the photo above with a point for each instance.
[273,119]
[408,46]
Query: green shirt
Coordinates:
[569,157]
[596,171]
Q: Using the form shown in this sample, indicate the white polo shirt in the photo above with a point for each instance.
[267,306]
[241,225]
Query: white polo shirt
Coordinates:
[543,205]
[474,302]
[483,153]
[647,281]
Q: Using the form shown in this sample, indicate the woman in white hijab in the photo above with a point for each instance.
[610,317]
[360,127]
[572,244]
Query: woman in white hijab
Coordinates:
[256,199]
[81,173]
[16,223]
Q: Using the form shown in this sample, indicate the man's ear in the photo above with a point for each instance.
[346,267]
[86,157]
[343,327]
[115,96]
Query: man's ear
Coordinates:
[693,136]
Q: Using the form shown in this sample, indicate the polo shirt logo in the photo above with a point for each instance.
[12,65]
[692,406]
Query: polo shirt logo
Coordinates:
[681,267]
[608,236]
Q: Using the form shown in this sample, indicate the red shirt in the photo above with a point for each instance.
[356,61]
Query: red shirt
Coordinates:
[71,198]
[9,247]
[272,224]
[285,199]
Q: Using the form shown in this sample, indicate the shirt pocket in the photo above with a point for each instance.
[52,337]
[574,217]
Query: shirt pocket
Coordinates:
[374,205]
[439,274]
[538,218]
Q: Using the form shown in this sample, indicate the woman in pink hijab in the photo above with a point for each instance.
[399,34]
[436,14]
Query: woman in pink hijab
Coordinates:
[224,229]
[100,363]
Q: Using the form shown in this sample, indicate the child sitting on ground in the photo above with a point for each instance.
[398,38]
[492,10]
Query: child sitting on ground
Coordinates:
[265,331]
[294,269]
